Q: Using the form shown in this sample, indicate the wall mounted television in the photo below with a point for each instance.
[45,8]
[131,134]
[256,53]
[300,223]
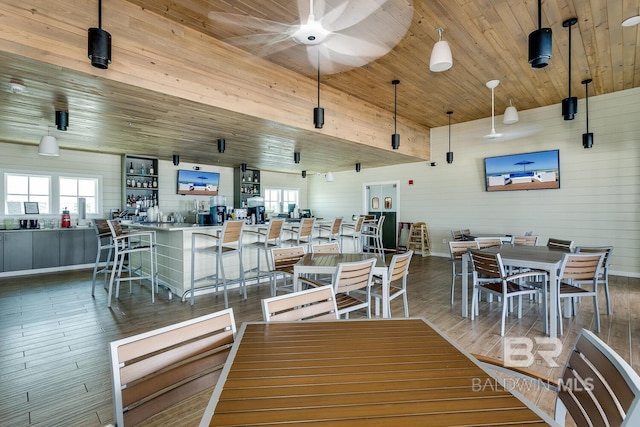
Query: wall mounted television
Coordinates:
[198,183]
[527,171]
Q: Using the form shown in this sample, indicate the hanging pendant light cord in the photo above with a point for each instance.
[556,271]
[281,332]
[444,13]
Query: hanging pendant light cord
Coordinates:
[586,103]
[318,78]
[100,14]
[493,113]
[570,61]
[539,14]
[395,106]
[449,114]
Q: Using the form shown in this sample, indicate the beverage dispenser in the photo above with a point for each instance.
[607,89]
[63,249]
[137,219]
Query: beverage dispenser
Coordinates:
[256,209]
[218,209]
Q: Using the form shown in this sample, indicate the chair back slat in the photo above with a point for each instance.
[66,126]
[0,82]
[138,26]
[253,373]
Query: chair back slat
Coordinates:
[399,265]
[286,257]
[606,250]
[486,264]
[327,248]
[102,227]
[457,235]
[487,242]
[457,249]
[353,275]
[311,304]
[275,229]
[560,245]
[232,231]
[336,227]
[154,370]
[306,228]
[524,240]
[358,226]
[580,266]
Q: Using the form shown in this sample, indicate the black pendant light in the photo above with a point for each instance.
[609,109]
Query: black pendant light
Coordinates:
[304,174]
[243,167]
[296,157]
[99,47]
[449,153]
[176,159]
[358,167]
[570,103]
[587,138]
[540,43]
[318,112]
[221,145]
[62,120]
[395,138]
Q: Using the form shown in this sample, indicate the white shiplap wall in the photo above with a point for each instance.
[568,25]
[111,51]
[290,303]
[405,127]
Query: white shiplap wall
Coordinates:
[598,202]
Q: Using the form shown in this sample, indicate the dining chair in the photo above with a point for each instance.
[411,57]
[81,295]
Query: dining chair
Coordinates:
[489,275]
[351,284]
[353,232]
[105,243]
[282,261]
[228,242]
[488,242]
[309,304]
[125,245]
[466,234]
[396,280]
[302,234]
[456,250]
[266,239]
[333,231]
[372,235]
[326,249]
[559,244]
[597,387]
[457,236]
[576,273]
[524,240]
[153,371]
[603,277]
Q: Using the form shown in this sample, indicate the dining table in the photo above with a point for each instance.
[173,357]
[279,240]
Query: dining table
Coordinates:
[378,372]
[326,264]
[533,257]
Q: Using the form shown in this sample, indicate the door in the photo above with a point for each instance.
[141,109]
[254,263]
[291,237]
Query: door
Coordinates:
[382,199]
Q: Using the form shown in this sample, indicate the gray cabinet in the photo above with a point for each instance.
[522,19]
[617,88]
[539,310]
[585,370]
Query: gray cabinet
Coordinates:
[90,246]
[18,251]
[245,185]
[72,247]
[2,251]
[45,249]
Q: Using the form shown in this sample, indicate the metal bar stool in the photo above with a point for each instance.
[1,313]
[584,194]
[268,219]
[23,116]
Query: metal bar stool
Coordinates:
[227,242]
[126,244]
[105,243]
[268,238]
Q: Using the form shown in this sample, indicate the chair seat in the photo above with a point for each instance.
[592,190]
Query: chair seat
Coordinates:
[512,288]
[344,301]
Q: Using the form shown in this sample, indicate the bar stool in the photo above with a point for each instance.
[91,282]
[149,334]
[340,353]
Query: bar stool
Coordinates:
[126,244]
[105,243]
[372,235]
[227,242]
[355,234]
[333,231]
[302,235]
[268,238]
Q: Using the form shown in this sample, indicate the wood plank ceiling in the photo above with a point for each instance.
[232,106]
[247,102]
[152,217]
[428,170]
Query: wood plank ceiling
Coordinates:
[488,39]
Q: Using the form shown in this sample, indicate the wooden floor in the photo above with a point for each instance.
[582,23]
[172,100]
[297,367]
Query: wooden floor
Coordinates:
[54,336]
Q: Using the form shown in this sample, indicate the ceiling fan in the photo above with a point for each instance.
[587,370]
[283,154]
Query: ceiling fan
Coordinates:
[515,131]
[334,35]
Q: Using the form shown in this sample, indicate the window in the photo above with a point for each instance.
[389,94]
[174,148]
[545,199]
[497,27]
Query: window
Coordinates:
[21,188]
[277,200]
[72,189]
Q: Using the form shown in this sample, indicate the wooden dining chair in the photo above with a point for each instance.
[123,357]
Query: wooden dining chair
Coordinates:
[457,236]
[155,370]
[488,242]
[524,240]
[456,250]
[326,248]
[396,280]
[597,387]
[282,261]
[603,277]
[310,304]
[560,245]
[489,276]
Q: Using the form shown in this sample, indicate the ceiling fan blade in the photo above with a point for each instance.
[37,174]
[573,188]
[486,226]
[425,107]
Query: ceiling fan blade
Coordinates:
[250,22]
[350,13]
[262,44]
[347,45]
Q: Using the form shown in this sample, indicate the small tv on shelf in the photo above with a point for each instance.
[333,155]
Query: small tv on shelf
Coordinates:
[198,183]
[538,170]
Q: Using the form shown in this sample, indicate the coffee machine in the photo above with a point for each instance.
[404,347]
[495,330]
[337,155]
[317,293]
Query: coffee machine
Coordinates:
[256,209]
[218,209]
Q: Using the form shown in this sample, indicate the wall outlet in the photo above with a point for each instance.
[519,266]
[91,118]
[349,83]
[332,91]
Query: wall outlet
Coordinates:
[444,241]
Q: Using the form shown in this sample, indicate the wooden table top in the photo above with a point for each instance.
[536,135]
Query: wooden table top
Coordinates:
[396,372]
[332,260]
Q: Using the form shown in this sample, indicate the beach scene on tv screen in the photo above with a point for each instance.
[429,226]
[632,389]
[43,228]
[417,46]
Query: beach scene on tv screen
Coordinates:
[198,182]
[528,171]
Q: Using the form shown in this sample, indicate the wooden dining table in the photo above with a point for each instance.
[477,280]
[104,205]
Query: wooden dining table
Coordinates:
[364,372]
[533,257]
[327,263]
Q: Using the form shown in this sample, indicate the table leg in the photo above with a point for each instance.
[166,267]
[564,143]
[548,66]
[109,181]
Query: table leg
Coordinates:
[553,303]
[296,285]
[385,295]
[465,285]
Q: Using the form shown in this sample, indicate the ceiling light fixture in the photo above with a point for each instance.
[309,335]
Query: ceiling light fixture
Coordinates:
[296,157]
[221,145]
[176,160]
[395,138]
[304,174]
[329,177]
[17,88]
[62,120]
[630,22]
[243,167]
[510,114]
[358,167]
[441,58]
[570,103]
[492,84]
[318,112]
[99,46]
[449,153]
[587,138]
[48,145]
[540,43]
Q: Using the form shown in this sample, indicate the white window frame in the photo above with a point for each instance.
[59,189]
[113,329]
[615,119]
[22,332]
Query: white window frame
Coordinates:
[280,202]
[28,194]
[78,195]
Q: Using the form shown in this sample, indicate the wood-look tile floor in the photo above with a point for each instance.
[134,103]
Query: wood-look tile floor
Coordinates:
[54,336]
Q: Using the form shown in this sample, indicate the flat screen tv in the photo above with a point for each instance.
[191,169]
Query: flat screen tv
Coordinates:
[527,171]
[198,183]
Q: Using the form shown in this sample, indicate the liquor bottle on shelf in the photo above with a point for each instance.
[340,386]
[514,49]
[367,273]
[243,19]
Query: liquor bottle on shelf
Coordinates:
[151,170]
[155,183]
[131,167]
[142,170]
